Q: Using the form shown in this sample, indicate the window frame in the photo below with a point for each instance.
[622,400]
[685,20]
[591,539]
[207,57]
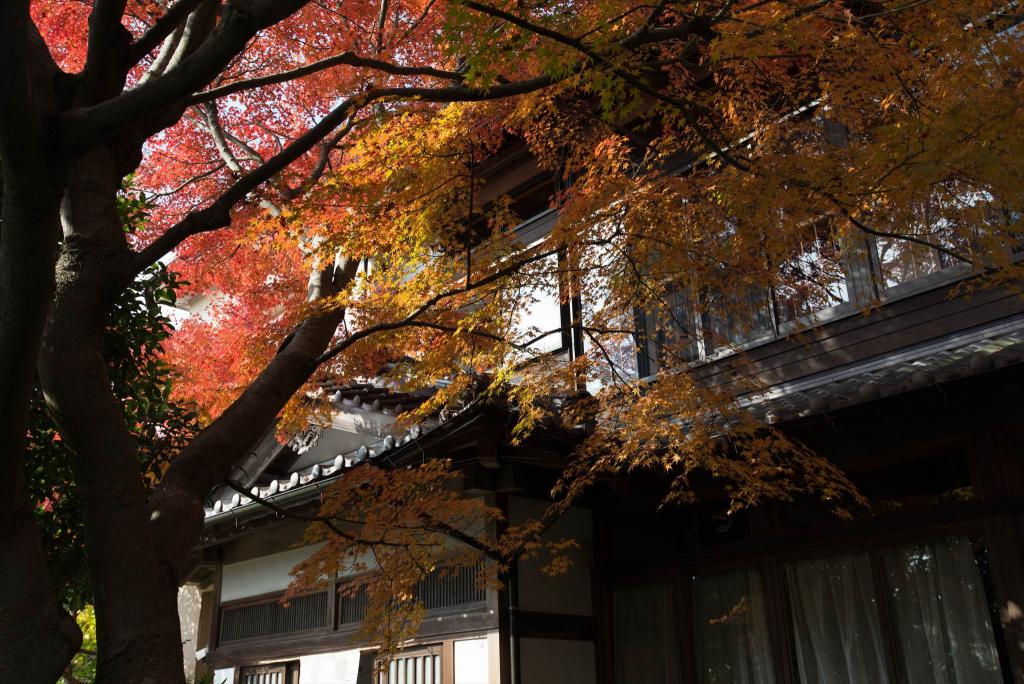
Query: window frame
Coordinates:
[528,233]
[288,669]
[771,567]
[864,283]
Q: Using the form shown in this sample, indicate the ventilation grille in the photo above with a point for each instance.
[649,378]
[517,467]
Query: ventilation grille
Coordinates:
[454,588]
[351,608]
[270,618]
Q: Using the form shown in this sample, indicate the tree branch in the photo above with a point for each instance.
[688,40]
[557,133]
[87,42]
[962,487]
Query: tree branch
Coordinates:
[29,71]
[175,510]
[106,43]
[412,319]
[218,215]
[168,23]
[687,112]
[238,24]
[345,58]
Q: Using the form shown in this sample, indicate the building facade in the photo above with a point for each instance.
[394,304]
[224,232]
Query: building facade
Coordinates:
[920,400]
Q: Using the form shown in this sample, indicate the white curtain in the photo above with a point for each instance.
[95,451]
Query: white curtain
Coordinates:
[732,629]
[942,620]
[835,621]
[646,641]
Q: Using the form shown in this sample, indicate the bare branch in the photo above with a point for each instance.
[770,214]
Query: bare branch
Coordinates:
[686,110]
[218,215]
[345,58]
[413,318]
[171,21]
[238,24]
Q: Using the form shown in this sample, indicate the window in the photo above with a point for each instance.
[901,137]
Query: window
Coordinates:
[420,666]
[678,333]
[934,596]
[901,261]
[921,612]
[439,590]
[731,629]
[736,319]
[544,319]
[278,673]
[453,588]
[269,617]
[943,625]
[835,621]
[917,613]
[646,641]
[815,278]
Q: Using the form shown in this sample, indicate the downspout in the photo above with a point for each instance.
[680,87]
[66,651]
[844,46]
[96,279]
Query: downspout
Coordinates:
[515,675]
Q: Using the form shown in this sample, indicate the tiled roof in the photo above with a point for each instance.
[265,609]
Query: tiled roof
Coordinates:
[351,399]
[940,360]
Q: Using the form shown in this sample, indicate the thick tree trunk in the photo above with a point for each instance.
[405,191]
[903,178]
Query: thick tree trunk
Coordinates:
[176,506]
[134,594]
[37,637]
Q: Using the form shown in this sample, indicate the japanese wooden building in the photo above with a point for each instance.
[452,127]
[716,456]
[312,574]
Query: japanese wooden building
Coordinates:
[920,401]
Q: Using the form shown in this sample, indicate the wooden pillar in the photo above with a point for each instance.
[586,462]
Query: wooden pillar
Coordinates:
[995,460]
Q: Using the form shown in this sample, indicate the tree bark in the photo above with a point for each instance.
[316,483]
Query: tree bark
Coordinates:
[37,637]
[134,594]
[176,507]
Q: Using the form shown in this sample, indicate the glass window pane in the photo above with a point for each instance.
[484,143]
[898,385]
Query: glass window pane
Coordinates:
[940,609]
[902,261]
[540,319]
[835,621]
[735,319]
[646,641]
[813,278]
[676,332]
[731,629]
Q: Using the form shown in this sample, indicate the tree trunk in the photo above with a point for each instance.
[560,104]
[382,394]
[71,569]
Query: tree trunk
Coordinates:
[135,596]
[37,637]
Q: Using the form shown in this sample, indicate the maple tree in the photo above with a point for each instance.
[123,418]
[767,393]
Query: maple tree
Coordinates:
[279,138]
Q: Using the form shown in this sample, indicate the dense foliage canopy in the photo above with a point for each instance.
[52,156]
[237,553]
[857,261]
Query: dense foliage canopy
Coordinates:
[702,153]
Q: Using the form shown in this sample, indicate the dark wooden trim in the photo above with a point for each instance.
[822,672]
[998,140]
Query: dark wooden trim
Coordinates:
[267,597]
[602,604]
[534,625]
[214,625]
[447,662]
[501,502]
[311,643]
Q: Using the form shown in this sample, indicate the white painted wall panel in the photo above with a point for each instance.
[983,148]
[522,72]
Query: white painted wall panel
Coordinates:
[261,575]
[472,662]
[340,667]
[225,676]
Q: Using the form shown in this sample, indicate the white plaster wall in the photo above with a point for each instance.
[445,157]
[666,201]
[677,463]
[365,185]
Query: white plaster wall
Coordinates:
[261,575]
[225,676]
[339,667]
[557,661]
[472,661]
[190,602]
[568,593]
